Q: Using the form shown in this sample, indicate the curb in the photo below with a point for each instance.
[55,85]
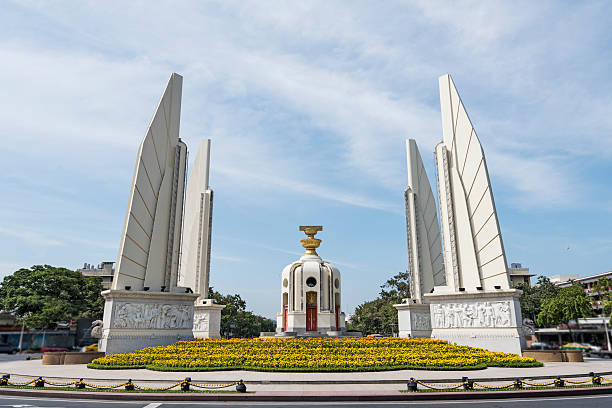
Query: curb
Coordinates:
[322,382]
[308,397]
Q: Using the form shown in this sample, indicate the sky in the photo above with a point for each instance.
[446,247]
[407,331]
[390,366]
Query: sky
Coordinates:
[308,105]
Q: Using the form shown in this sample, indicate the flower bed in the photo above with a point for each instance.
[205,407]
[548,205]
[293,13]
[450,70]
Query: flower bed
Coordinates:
[312,354]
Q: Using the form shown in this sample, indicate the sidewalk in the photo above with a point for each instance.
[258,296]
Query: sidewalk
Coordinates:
[384,381]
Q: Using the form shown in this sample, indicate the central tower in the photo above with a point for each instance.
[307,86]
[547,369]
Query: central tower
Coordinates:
[310,293]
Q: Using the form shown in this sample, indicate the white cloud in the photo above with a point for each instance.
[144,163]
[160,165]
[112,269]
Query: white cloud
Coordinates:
[219,257]
[31,237]
[541,182]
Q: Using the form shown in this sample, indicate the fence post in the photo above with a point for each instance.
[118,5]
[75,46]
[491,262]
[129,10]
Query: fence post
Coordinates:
[241,387]
[185,384]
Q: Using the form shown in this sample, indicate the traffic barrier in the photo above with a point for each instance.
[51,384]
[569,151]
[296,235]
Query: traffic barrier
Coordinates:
[184,385]
[519,384]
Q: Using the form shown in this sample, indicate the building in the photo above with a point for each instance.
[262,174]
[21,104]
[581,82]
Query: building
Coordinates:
[591,330]
[104,270]
[518,274]
[310,294]
[588,283]
[566,277]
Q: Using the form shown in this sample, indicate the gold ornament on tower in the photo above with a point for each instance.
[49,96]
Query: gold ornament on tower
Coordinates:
[311,243]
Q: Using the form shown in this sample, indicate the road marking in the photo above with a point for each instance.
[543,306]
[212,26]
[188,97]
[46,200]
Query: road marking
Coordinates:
[152,405]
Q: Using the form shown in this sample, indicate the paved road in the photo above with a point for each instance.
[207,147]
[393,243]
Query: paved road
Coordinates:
[604,401]
[17,357]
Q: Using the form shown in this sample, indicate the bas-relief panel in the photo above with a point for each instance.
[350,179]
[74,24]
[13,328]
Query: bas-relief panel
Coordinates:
[200,322]
[420,321]
[152,316]
[478,314]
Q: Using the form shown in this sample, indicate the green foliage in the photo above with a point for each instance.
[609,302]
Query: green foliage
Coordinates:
[396,289]
[603,298]
[236,321]
[534,297]
[571,303]
[44,294]
[379,315]
[376,316]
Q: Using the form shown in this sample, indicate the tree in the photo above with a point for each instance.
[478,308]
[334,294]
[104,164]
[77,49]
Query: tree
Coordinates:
[571,303]
[396,289]
[379,315]
[533,297]
[603,298]
[236,321]
[376,316]
[44,294]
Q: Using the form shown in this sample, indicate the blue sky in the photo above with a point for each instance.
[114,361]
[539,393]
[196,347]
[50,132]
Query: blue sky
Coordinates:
[308,105]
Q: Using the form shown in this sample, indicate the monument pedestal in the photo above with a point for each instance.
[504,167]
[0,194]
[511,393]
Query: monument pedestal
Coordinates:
[134,320]
[414,319]
[490,320]
[207,320]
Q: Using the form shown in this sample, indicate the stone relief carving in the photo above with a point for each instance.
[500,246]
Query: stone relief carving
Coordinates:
[420,321]
[200,322]
[478,314]
[152,316]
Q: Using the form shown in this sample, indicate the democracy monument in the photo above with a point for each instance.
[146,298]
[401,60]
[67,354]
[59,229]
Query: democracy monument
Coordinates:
[459,284]
[157,292]
[310,294]
[472,304]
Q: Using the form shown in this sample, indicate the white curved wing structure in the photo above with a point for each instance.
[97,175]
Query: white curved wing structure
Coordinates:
[195,254]
[150,241]
[473,248]
[424,245]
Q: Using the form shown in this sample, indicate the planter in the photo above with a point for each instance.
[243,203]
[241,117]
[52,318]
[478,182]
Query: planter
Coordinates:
[70,357]
[53,358]
[573,356]
[554,356]
[84,357]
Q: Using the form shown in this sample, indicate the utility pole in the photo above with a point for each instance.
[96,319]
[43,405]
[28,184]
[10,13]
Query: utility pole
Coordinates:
[23,326]
[605,322]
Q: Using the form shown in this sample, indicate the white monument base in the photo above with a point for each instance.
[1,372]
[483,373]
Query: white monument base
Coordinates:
[207,320]
[490,320]
[134,320]
[414,319]
[296,323]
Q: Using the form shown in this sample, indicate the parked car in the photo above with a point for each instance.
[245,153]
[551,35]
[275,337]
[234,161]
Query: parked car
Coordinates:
[7,348]
[593,348]
[91,347]
[540,346]
[53,348]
